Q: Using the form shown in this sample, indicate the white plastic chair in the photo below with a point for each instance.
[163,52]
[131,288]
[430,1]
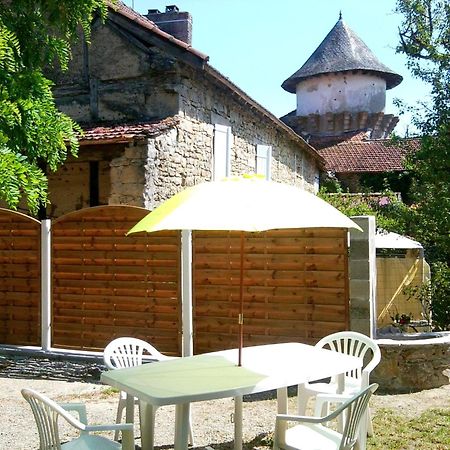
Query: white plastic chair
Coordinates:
[46,413]
[350,343]
[129,352]
[312,434]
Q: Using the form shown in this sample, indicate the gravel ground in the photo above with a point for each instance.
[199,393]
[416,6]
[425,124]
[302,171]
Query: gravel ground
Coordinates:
[211,420]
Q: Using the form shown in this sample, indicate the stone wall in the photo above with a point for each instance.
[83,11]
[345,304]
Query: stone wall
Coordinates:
[127,175]
[69,188]
[408,366]
[50,366]
[114,79]
[203,101]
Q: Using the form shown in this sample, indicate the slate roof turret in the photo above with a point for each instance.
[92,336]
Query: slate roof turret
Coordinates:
[341,51]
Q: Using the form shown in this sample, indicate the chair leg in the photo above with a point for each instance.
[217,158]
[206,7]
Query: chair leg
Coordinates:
[321,408]
[191,434]
[302,399]
[369,423]
[120,408]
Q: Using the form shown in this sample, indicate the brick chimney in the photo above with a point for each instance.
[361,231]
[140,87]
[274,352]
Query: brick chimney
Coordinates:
[174,22]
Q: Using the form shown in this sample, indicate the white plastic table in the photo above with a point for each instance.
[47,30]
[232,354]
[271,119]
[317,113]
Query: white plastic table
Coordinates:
[208,376]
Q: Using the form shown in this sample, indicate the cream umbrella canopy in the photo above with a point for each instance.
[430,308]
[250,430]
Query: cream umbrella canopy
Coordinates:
[246,203]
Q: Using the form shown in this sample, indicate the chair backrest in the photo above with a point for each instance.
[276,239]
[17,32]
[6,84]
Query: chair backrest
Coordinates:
[355,409]
[354,344]
[129,352]
[46,413]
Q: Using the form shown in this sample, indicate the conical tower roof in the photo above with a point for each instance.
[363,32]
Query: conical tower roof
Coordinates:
[341,51]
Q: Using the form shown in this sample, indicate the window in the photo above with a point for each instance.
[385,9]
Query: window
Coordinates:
[222,152]
[263,160]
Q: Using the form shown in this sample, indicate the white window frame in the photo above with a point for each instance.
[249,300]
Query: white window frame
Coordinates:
[223,139]
[264,161]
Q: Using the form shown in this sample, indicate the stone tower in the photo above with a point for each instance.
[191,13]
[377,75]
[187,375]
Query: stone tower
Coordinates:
[341,88]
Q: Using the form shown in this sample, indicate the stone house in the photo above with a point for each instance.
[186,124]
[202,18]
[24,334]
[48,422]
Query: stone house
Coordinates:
[158,117]
[341,97]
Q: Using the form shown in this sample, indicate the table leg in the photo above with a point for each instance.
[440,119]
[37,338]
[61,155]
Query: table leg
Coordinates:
[147,422]
[182,413]
[282,402]
[238,401]
[282,407]
[129,409]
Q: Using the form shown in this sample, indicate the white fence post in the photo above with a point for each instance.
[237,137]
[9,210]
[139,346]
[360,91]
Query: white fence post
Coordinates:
[46,309]
[186,293]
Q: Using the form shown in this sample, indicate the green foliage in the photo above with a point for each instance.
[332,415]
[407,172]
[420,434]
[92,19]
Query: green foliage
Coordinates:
[34,135]
[434,297]
[440,295]
[391,214]
[18,176]
[425,40]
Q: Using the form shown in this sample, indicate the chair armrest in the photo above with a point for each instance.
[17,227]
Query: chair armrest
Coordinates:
[80,408]
[291,418]
[110,427]
[315,419]
[334,398]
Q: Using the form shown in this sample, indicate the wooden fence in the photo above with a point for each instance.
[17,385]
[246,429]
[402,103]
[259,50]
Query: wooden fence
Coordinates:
[20,275]
[295,287]
[106,284]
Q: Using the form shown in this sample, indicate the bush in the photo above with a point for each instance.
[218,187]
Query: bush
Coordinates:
[391,213]
[435,297]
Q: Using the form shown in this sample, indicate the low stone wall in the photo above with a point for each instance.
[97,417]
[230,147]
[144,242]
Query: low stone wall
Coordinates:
[50,366]
[412,365]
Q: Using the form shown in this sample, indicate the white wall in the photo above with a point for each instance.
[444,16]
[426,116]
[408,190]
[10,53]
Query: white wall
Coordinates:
[341,92]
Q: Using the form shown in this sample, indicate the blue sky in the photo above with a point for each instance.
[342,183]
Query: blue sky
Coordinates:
[257,44]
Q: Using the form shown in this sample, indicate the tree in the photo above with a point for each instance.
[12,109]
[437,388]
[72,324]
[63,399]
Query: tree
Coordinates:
[425,40]
[34,135]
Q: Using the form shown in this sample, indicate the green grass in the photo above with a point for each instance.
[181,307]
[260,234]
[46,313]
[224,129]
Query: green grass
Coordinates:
[108,392]
[392,431]
[429,431]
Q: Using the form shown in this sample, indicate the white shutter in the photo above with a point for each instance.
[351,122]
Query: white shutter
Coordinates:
[222,152]
[264,160]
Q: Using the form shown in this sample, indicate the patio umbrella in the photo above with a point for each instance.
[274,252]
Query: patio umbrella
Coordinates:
[246,203]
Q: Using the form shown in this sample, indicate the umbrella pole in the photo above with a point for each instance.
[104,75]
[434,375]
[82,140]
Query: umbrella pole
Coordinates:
[241,302]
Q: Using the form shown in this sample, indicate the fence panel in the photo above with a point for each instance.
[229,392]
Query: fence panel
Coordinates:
[295,286]
[106,284]
[20,279]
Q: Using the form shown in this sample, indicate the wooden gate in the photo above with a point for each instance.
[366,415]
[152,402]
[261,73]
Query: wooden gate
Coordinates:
[106,284]
[295,287]
[20,279]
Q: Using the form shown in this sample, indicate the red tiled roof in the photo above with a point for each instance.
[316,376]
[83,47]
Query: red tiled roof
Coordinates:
[123,133]
[320,142]
[380,155]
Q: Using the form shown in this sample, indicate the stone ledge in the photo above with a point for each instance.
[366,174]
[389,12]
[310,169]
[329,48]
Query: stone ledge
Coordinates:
[412,365]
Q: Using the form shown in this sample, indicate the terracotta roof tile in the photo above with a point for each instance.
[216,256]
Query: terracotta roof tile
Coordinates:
[320,142]
[381,155]
[118,133]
